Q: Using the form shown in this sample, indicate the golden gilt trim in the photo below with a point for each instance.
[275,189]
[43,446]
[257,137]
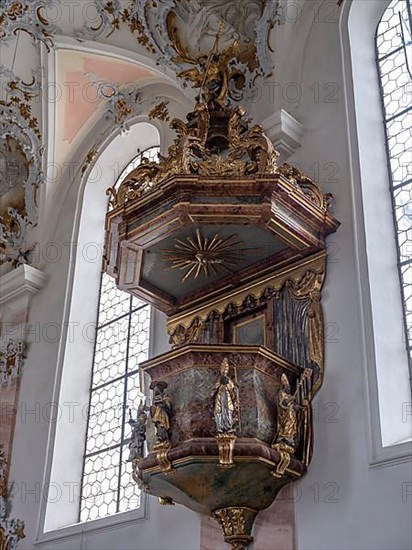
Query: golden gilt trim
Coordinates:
[161,451]
[226,445]
[216,458]
[275,280]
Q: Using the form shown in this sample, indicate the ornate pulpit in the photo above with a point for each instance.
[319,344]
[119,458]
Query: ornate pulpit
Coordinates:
[232,248]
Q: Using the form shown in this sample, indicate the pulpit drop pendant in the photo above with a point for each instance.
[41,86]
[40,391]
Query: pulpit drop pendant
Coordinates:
[232,248]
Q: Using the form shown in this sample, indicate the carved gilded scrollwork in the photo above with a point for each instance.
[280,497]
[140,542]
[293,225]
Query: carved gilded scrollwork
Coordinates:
[305,185]
[251,141]
[182,335]
[161,450]
[194,152]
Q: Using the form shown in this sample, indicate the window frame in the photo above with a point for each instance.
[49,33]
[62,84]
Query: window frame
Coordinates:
[58,517]
[152,152]
[392,188]
[357,26]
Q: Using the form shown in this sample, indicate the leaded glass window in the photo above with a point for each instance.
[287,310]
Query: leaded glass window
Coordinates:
[121,344]
[394,56]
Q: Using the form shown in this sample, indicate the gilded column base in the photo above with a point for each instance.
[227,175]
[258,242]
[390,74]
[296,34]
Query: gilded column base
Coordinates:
[236,523]
[226,445]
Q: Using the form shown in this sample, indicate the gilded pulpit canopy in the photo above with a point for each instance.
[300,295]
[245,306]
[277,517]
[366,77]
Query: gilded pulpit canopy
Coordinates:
[225,242]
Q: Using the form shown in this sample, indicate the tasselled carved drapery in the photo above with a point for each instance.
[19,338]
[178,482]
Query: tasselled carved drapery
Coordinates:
[296,303]
[310,288]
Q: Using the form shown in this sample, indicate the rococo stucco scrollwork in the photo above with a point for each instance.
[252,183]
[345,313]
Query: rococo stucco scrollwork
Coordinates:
[11,530]
[181,33]
[31,17]
[123,104]
[21,165]
[11,360]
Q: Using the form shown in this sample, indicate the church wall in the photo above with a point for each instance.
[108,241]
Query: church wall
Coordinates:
[342,502]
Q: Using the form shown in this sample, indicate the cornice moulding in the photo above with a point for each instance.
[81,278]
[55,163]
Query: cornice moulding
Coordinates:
[22,282]
[285,132]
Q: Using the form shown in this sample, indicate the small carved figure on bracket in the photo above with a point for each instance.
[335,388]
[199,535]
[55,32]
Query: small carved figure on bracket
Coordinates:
[289,406]
[136,445]
[294,421]
[161,411]
[287,431]
[225,406]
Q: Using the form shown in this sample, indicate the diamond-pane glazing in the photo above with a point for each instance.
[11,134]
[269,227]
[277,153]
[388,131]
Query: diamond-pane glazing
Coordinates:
[121,344]
[394,52]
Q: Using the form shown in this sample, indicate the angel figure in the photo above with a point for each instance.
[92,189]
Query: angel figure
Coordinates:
[225,401]
[213,75]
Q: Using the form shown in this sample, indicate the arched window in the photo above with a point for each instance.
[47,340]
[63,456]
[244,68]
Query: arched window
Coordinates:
[122,342]
[394,57]
[93,379]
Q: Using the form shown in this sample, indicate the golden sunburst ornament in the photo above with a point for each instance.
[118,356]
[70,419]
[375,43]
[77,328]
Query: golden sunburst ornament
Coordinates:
[200,256]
